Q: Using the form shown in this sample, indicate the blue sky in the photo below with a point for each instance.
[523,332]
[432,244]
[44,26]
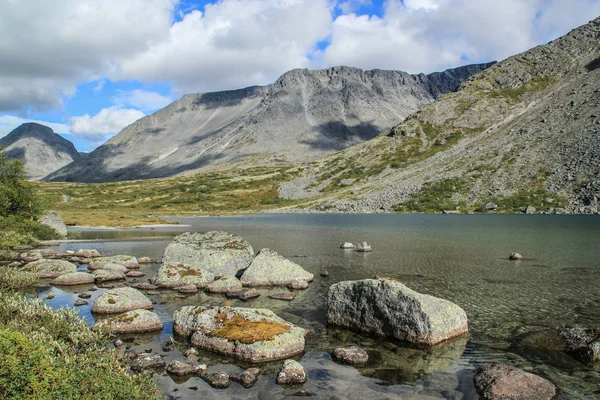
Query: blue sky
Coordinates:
[88,68]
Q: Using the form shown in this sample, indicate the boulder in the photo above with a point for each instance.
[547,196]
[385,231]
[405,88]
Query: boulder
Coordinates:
[386,307]
[291,373]
[181,368]
[73,278]
[218,380]
[88,253]
[147,361]
[120,300]
[50,268]
[530,210]
[127,261]
[515,256]
[364,247]
[114,267]
[583,344]
[135,274]
[104,275]
[79,303]
[498,382]
[247,378]
[298,284]
[225,284]
[253,335]
[219,253]
[351,355]
[347,245]
[490,206]
[271,269]
[135,321]
[176,275]
[55,221]
[85,296]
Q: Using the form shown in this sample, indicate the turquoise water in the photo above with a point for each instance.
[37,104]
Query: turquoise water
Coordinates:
[512,306]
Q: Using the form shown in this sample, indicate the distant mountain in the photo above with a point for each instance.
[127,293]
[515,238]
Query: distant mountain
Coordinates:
[525,132]
[42,150]
[304,115]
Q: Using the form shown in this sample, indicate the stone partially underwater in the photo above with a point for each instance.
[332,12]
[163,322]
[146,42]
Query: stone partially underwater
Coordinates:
[252,335]
[388,308]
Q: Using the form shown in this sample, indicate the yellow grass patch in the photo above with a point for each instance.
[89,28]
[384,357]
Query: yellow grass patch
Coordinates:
[245,331]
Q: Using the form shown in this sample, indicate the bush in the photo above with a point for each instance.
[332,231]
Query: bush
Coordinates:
[16,231]
[17,195]
[54,355]
[15,279]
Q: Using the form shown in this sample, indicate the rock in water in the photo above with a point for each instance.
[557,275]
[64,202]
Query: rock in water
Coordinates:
[225,284]
[364,247]
[135,321]
[291,373]
[247,378]
[50,268]
[127,261]
[147,361]
[253,335]
[351,355]
[515,256]
[583,344]
[55,221]
[347,245]
[181,368]
[388,308]
[271,269]
[218,380]
[219,253]
[499,382]
[114,267]
[73,278]
[120,300]
[178,275]
[104,275]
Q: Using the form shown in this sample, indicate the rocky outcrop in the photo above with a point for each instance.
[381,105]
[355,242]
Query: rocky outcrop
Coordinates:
[55,221]
[120,300]
[500,382]
[388,308]
[219,253]
[135,321]
[270,269]
[253,335]
[291,373]
[73,278]
[50,268]
[41,150]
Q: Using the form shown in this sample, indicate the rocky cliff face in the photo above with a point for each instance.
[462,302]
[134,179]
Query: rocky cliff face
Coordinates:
[304,115]
[524,132]
[42,150]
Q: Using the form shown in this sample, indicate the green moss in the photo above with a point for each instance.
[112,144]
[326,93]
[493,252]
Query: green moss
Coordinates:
[434,197]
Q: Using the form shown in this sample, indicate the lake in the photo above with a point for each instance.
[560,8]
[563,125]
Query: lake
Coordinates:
[513,307]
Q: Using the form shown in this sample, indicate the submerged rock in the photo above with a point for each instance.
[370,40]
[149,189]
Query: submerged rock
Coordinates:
[176,275]
[225,284]
[388,308]
[135,321]
[286,296]
[499,382]
[291,373]
[50,268]
[181,368]
[79,303]
[120,300]
[250,294]
[271,269]
[219,253]
[253,335]
[144,286]
[351,355]
[55,221]
[583,344]
[73,278]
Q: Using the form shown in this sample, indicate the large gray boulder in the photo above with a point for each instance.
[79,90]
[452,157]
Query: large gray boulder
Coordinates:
[178,275]
[125,260]
[271,269]
[50,268]
[120,300]
[253,335]
[135,321]
[386,307]
[225,284]
[73,278]
[500,382]
[55,221]
[220,253]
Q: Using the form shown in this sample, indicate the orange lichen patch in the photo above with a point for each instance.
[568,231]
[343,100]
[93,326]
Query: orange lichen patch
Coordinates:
[183,270]
[122,319]
[245,331]
[227,303]
[111,301]
[189,272]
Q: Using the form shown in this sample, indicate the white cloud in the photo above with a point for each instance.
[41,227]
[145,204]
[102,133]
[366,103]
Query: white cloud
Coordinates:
[107,122]
[46,47]
[428,35]
[10,122]
[232,44]
[142,99]
[348,6]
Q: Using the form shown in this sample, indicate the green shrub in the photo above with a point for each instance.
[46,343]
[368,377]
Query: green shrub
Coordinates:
[15,279]
[49,354]
[434,197]
[17,195]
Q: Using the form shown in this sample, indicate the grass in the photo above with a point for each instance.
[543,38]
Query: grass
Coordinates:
[15,231]
[134,203]
[435,197]
[514,95]
[245,331]
[15,279]
[540,199]
[49,354]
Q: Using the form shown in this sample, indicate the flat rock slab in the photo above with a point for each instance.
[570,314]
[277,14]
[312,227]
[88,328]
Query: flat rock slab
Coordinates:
[50,268]
[105,275]
[144,286]
[499,382]
[270,269]
[135,274]
[287,296]
[135,321]
[386,307]
[253,335]
[121,300]
[114,267]
[225,284]
[181,368]
[73,278]
[127,261]
[176,275]
[147,260]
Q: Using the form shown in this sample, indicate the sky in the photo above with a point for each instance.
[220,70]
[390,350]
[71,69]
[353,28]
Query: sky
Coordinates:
[88,68]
